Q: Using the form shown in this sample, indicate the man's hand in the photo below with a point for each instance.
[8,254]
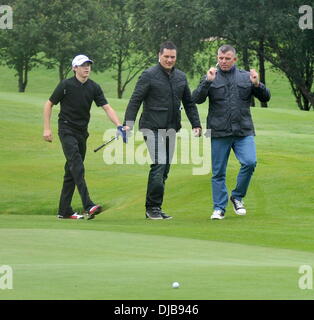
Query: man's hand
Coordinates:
[123,133]
[47,135]
[254,77]
[197,132]
[211,74]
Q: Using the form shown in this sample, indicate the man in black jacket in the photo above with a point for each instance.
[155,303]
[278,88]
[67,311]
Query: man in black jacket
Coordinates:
[161,88]
[230,124]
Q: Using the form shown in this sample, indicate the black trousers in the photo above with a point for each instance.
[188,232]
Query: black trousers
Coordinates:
[74,148]
[161,146]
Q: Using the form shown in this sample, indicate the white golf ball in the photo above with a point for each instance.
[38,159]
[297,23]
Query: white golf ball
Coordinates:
[175,285]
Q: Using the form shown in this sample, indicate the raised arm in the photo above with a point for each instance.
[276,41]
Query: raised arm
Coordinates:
[259,89]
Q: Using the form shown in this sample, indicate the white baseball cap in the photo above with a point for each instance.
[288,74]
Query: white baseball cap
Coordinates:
[80,59]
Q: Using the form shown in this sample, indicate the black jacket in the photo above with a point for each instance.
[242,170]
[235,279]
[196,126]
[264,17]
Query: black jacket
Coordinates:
[229,98]
[161,95]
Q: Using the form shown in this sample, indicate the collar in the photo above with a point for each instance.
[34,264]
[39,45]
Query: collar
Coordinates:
[77,81]
[165,71]
[230,70]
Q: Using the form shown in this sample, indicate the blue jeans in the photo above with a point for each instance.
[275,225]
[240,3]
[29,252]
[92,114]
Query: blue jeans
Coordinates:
[245,151]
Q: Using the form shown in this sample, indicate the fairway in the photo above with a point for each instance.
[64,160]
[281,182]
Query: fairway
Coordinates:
[79,264]
[120,255]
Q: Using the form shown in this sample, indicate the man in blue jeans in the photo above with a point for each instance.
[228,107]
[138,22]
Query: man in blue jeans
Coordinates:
[229,91]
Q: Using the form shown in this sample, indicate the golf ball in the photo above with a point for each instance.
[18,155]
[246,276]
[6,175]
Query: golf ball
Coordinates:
[175,285]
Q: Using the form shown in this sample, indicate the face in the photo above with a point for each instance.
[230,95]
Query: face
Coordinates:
[168,58]
[226,60]
[84,70]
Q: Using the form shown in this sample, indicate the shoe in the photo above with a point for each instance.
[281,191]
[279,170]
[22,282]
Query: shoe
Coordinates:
[94,210]
[153,213]
[75,216]
[238,206]
[164,215]
[218,215]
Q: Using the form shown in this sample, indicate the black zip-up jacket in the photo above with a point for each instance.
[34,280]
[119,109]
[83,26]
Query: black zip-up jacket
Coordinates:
[161,94]
[229,98]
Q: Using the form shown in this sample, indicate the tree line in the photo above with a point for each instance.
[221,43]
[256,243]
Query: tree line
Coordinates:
[124,36]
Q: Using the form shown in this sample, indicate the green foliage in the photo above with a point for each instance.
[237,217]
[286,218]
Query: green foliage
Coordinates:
[180,21]
[127,57]
[71,29]
[271,29]
[291,50]
[125,35]
[20,45]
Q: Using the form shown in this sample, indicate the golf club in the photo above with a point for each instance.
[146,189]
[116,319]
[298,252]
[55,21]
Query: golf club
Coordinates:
[104,144]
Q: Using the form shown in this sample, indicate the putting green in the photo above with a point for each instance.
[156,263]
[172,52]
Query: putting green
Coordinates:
[86,264]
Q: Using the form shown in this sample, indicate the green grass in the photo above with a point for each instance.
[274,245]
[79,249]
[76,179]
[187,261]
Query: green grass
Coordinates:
[251,257]
[121,265]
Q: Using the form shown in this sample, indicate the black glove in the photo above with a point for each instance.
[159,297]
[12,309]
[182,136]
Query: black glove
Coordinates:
[122,133]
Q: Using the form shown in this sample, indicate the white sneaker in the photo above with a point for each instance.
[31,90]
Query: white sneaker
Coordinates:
[74,216]
[238,206]
[217,215]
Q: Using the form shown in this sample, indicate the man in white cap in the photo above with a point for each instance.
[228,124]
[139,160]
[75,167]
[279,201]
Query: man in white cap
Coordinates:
[76,96]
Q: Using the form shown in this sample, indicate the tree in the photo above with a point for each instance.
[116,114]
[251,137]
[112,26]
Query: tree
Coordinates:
[20,45]
[291,50]
[71,28]
[183,22]
[241,24]
[127,55]
[271,29]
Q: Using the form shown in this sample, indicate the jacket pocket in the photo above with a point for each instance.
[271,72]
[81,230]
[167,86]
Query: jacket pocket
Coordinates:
[217,91]
[245,91]
[218,120]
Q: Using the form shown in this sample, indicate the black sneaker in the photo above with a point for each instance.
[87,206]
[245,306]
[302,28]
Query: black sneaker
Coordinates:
[238,206]
[153,213]
[164,215]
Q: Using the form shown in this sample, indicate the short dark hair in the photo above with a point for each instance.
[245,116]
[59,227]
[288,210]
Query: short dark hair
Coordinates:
[226,48]
[167,45]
